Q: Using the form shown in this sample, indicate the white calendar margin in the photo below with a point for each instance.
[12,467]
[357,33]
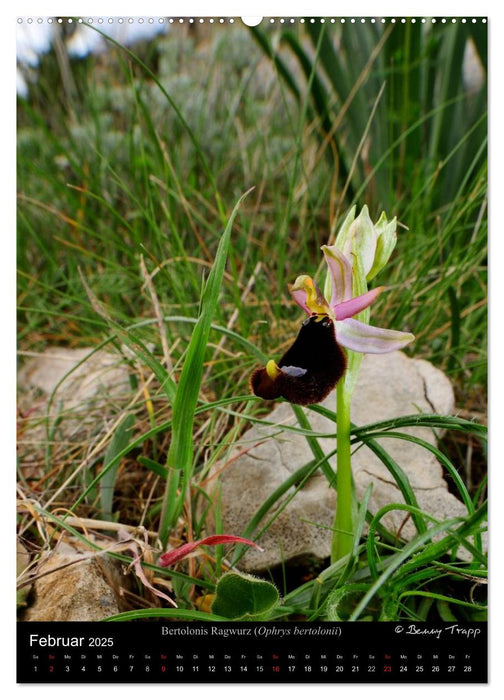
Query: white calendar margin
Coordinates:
[261,8]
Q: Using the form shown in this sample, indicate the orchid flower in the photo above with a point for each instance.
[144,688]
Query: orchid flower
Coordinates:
[314,364]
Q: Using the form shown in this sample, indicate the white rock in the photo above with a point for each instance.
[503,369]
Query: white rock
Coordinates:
[85,385]
[389,386]
[80,373]
[73,587]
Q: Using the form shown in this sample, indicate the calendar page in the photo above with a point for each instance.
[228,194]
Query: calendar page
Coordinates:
[252,349]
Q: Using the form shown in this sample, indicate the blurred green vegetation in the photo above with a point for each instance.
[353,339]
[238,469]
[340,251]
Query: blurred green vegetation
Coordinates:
[145,153]
[130,163]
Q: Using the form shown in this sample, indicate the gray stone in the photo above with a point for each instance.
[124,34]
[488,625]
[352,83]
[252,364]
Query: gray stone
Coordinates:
[79,375]
[88,387]
[72,586]
[389,386]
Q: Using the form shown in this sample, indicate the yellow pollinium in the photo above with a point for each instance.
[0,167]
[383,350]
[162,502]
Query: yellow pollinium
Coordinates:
[314,299]
[272,369]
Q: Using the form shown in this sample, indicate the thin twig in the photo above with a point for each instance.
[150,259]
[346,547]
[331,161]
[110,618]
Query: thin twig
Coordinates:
[159,316]
[114,547]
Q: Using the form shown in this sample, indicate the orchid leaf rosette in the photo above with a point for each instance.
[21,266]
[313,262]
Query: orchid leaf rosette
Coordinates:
[316,361]
[329,346]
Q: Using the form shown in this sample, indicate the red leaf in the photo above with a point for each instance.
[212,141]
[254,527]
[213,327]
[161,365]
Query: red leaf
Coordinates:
[174,555]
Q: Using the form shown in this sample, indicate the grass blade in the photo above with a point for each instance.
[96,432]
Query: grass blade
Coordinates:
[401,480]
[119,441]
[180,455]
[396,561]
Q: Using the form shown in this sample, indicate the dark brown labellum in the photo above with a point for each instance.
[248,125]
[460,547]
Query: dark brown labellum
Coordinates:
[309,370]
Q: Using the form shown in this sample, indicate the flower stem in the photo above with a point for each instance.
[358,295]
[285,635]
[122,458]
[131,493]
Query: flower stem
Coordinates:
[342,540]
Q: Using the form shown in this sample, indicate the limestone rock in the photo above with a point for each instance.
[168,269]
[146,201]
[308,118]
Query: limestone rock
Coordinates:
[78,376]
[74,587]
[389,386]
[68,394]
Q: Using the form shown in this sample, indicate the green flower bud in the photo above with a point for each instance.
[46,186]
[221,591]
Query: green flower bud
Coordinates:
[386,240]
[343,241]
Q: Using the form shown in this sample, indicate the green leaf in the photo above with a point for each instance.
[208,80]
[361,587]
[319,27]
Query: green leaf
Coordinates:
[342,600]
[153,466]
[283,71]
[180,454]
[243,597]
[479,34]
[118,443]
[407,552]
[318,92]
[164,613]
[455,327]
[402,481]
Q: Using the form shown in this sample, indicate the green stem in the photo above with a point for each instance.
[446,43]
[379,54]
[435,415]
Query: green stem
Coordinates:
[168,511]
[342,540]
